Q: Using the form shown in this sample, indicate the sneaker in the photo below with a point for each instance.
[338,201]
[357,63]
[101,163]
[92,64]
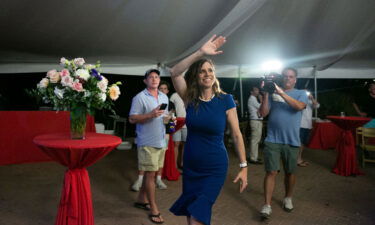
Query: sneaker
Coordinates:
[137,185]
[266,211]
[160,184]
[287,204]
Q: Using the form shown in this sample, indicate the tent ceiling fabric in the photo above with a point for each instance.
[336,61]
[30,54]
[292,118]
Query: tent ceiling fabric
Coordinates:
[303,33]
[116,31]
[129,36]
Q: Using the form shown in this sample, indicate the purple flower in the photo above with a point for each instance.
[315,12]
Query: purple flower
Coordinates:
[96,74]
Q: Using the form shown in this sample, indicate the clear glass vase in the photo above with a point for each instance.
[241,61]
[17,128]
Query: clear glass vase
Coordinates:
[78,122]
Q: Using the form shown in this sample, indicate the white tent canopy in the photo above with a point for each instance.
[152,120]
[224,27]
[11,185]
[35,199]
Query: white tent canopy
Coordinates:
[129,36]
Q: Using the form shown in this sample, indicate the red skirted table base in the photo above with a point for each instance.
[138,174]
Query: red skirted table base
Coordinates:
[324,136]
[75,206]
[346,160]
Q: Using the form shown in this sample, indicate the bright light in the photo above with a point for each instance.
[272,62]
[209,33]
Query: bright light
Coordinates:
[308,93]
[272,66]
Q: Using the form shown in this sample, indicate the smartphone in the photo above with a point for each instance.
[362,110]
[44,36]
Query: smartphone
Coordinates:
[163,106]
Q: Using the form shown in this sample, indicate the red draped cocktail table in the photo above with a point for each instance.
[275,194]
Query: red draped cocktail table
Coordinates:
[75,206]
[346,160]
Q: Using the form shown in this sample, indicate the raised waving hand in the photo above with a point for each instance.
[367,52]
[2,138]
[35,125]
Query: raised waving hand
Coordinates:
[211,46]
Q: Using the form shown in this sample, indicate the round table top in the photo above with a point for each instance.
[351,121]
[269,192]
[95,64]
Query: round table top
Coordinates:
[355,118]
[349,122]
[63,140]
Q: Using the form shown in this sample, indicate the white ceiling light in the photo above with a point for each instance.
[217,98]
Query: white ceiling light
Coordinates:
[272,66]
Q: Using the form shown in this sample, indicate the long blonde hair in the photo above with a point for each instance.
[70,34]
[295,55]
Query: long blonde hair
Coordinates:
[193,90]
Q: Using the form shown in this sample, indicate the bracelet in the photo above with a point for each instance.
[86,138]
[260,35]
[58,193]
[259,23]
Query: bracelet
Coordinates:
[243,165]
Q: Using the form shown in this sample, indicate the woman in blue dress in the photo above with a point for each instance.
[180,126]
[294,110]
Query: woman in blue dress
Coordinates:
[205,158]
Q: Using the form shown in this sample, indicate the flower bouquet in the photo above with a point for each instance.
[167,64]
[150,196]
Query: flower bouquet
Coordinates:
[79,88]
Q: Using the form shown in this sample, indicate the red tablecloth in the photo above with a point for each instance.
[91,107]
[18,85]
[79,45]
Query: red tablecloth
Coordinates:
[346,161]
[324,135]
[170,171]
[18,128]
[75,206]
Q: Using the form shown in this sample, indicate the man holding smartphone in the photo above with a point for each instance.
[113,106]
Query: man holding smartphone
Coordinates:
[147,114]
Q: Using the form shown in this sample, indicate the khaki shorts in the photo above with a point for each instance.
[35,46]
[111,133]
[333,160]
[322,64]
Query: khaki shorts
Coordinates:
[272,153]
[150,158]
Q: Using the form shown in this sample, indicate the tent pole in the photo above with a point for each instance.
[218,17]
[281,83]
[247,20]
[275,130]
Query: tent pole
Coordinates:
[315,91]
[241,97]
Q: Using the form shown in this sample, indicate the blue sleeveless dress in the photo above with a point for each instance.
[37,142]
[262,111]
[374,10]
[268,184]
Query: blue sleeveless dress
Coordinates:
[205,158]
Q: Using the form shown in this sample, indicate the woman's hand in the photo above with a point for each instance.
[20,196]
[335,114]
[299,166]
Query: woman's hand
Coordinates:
[211,46]
[242,177]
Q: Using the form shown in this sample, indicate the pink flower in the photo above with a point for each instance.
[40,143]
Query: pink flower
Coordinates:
[50,72]
[65,72]
[79,61]
[53,76]
[77,86]
[43,83]
[63,61]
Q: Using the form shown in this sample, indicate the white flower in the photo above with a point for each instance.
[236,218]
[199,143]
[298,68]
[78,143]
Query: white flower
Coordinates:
[67,81]
[102,96]
[103,84]
[87,94]
[79,61]
[59,93]
[82,73]
[64,61]
[43,83]
[46,100]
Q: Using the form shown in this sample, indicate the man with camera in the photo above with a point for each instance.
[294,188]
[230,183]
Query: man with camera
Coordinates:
[284,107]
